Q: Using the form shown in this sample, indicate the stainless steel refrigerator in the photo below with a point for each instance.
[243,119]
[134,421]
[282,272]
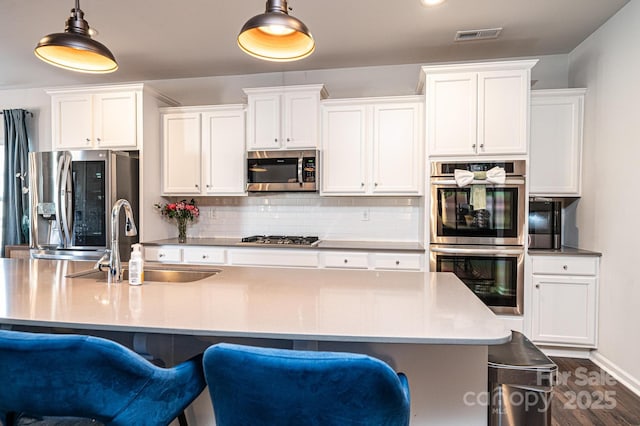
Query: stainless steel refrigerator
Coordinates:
[71,194]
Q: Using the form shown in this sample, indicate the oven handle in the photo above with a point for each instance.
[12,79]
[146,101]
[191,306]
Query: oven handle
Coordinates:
[476,250]
[478,182]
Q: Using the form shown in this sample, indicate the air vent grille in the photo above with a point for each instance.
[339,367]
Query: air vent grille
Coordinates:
[485,34]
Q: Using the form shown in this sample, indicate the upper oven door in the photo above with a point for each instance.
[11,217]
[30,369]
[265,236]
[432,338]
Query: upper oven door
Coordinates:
[480,213]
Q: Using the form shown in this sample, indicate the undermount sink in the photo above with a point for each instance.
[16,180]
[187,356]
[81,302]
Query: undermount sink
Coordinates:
[157,275]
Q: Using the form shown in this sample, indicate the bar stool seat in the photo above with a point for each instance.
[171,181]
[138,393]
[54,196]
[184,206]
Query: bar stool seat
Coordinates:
[89,377]
[263,386]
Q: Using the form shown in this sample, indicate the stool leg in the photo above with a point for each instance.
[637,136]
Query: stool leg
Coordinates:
[182,419]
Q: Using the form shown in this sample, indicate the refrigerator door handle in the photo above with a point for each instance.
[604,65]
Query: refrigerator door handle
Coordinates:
[64,194]
[58,200]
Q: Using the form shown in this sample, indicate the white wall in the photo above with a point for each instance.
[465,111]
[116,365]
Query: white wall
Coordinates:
[608,65]
[391,80]
[38,103]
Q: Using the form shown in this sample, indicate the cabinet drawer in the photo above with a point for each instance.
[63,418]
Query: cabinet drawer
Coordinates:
[346,260]
[397,261]
[163,254]
[564,265]
[274,257]
[204,255]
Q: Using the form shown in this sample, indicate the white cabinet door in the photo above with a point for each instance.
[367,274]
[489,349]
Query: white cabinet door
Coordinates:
[265,114]
[344,154]
[503,112]
[451,111]
[182,154]
[285,117]
[564,310]
[71,120]
[223,146]
[101,120]
[301,119]
[396,149]
[555,151]
[478,108]
[115,120]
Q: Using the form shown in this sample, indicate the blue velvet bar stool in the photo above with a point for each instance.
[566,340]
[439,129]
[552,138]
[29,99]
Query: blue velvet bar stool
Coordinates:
[89,377]
[262,386]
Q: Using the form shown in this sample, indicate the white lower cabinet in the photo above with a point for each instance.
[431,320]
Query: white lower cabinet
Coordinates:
[564,300]
[204,255]
[294,258]
[273,257]
[346,260]
[397,261]
[163,254]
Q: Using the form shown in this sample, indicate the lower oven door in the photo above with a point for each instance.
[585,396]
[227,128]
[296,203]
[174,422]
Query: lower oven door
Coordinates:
[494,273]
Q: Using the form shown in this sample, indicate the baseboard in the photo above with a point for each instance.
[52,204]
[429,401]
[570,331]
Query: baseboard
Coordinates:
[618,373]
[583,353]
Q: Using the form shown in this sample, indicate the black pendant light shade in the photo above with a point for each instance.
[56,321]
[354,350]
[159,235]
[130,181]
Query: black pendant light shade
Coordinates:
[275,35]
[75,49]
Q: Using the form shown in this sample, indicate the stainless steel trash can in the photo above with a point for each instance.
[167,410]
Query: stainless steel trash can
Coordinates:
[521,380]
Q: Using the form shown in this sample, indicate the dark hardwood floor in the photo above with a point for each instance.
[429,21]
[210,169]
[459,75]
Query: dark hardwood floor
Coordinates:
[586,395]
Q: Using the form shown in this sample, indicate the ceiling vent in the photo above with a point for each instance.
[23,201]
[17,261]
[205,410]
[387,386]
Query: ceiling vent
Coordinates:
[486,34]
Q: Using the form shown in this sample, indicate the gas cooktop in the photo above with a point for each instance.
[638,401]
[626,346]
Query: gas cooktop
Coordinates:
[289,240]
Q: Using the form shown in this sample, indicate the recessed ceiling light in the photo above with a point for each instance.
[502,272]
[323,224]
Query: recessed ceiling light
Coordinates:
[431,2]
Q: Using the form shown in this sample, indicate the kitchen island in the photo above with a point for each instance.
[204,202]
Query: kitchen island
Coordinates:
[428,325]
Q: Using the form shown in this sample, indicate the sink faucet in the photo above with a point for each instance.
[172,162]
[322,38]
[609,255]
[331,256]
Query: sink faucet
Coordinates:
[111,257]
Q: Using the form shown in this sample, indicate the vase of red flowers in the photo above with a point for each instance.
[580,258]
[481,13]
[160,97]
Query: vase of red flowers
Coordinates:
[183,212]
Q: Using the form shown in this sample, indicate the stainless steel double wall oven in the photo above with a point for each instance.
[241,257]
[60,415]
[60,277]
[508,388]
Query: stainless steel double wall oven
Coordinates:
[478,230]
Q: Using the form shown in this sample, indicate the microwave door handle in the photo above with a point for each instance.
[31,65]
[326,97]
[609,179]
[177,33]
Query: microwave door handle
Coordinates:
[65,192]
[300,163]
[475,250]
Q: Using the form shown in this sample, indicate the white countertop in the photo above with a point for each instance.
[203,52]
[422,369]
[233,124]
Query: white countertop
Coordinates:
[410,246]
[284,303]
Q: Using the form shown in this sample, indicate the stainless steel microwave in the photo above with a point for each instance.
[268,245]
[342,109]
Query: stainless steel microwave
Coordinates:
[282,171]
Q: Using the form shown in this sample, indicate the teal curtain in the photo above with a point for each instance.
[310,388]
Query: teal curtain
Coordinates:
[15,226]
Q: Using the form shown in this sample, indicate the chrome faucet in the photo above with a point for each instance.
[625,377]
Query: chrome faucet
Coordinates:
[111,257]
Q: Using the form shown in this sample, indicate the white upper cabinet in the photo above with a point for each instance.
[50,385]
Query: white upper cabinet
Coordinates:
[181,153]
[203,150]
[372,146]
[555,150]
[344,148]
[286,117]
[477,108]
[96,118]
[224,154]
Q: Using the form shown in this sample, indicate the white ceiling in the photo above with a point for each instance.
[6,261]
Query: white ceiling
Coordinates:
[163,39]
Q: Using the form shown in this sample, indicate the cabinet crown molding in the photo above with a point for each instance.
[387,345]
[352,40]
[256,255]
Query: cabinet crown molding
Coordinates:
[471,67]
[288,89]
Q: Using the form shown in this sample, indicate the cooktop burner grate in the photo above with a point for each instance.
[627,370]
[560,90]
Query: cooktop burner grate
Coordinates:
[295,240]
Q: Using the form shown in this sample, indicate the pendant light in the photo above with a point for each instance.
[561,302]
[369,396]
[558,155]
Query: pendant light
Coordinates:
[75,49]
[275,35]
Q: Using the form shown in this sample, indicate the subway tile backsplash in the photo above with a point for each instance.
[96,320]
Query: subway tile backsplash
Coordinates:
[331,218]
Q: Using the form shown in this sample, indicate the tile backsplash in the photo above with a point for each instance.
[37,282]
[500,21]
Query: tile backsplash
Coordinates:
[330,218]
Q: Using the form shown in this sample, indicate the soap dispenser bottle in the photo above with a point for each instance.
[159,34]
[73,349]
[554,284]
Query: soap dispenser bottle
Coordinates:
[136,266]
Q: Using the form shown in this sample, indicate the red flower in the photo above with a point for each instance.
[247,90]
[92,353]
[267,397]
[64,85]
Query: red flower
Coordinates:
[181,210]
